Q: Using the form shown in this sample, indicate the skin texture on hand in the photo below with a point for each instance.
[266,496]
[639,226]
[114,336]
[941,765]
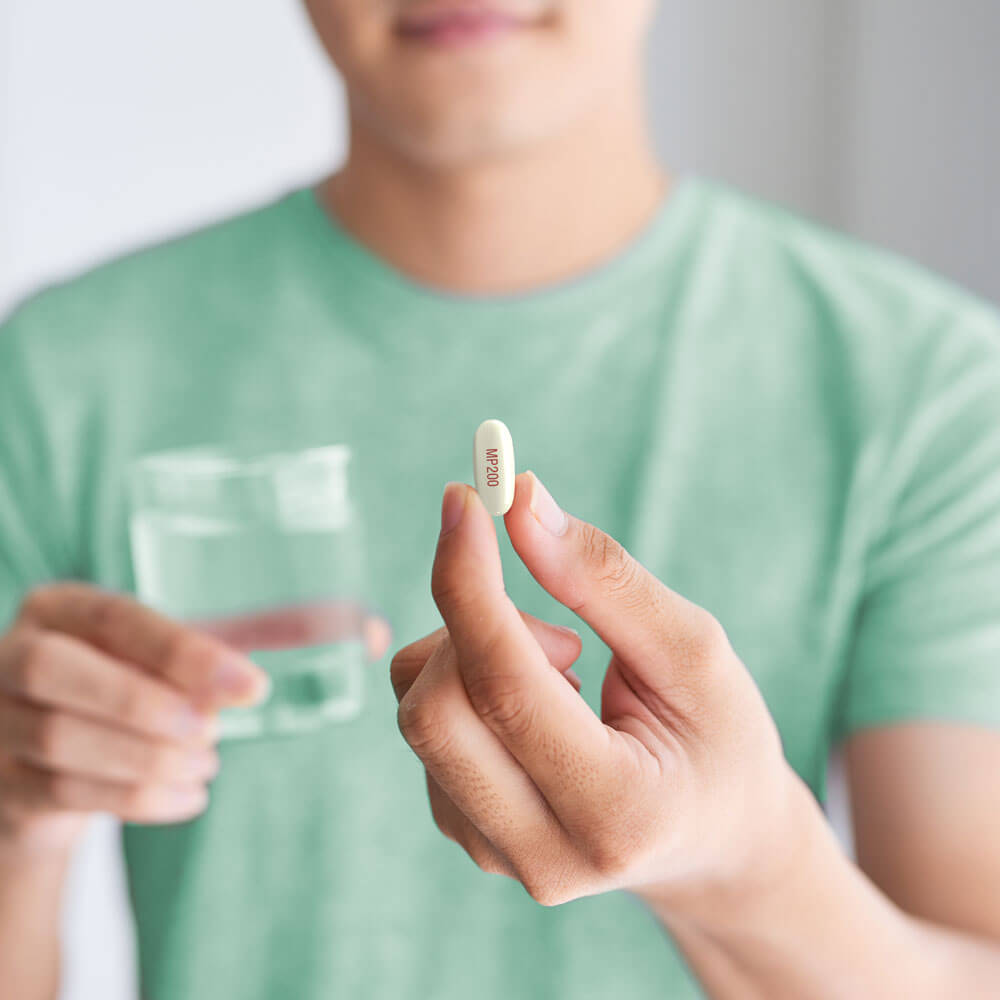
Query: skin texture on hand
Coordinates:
[679,790]
[108,705]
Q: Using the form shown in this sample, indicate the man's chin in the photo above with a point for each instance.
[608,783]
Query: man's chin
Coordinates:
[451,143]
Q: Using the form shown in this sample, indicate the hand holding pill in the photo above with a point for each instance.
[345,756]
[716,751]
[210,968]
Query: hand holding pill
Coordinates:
[678,790]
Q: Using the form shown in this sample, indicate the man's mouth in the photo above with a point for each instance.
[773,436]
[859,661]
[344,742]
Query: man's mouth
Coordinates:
[457,23]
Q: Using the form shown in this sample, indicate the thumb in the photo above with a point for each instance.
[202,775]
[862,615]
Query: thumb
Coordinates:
[656,633]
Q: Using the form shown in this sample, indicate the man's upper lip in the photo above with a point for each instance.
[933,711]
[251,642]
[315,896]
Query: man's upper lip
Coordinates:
[427,15]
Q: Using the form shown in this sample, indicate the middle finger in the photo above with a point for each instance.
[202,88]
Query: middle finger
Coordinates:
[477,772]
[61,741]
[55,670]
[561,646]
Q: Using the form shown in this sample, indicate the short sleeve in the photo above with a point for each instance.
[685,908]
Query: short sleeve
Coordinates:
[31,550]
[926,643]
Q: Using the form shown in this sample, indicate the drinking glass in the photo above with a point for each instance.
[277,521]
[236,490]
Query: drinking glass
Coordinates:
[265,550]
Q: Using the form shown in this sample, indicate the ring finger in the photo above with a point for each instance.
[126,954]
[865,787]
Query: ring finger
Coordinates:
[456,826]
[58,740]
[33,787]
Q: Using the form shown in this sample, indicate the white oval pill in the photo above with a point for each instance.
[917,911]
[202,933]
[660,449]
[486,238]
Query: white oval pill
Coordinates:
[493,460]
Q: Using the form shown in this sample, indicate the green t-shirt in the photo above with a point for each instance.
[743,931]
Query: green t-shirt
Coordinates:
[799,433]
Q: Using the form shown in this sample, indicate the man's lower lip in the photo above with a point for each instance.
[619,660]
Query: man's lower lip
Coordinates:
[461,30]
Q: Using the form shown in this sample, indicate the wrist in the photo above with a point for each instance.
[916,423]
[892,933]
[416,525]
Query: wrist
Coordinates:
[798,850]
[22,856]
[39,840]
[808,924]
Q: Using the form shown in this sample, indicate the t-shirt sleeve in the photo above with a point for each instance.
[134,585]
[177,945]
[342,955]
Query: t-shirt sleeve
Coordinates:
[31,548]
[926,643]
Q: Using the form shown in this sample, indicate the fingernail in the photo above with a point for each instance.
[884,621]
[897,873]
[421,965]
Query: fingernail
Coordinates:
[378,637]
[201,766]
[573,677]
[187,723]
[547,512]
[211,729]
[188,797]
[238,677]
[452,505]
[568,630]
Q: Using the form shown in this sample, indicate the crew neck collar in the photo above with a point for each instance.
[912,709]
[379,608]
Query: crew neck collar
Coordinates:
[659,236]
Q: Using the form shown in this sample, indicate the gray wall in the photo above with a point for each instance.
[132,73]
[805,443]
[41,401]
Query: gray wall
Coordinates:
[881,117]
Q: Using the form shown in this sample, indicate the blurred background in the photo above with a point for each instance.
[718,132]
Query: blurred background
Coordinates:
[122,124]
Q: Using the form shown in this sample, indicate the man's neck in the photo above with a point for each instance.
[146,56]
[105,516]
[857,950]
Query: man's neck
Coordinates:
[532,219]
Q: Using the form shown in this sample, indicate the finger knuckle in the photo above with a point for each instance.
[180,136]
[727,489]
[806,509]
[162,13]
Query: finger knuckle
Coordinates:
[32,670]
[423,727]
[447,832]
[443,586]
[138,800]
[59,789]
[609,856]
[174,647]
[184,651]
[48,736]
[128,704]
[709,641]
[500,702]
[399,660]
[485,859]
[401,668]
[108,616]
[615,569]
[449,589]
[439,812]
[543,889]
[152,762]
[624,839]
[34,602]
[13,809]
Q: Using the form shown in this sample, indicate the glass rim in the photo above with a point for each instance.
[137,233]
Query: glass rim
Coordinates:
[235,461]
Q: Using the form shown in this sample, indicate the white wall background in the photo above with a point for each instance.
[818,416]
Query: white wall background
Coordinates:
[122,123]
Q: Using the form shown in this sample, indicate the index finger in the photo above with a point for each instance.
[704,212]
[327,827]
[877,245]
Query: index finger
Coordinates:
[572,756]
[211,673]
[560,645]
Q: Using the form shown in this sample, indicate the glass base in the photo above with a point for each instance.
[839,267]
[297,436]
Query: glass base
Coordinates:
[311,686]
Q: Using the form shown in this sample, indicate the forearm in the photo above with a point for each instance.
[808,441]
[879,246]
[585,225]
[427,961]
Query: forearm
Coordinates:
[31,884]
[825,931]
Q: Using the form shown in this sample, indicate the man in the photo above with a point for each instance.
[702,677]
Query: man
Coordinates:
[781,451]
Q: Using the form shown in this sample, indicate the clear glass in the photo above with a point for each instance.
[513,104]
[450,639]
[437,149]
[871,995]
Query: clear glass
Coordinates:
[266,551]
